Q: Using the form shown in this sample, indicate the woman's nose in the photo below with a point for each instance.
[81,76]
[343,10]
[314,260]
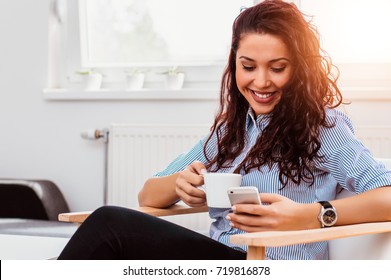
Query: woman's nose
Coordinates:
[262,80]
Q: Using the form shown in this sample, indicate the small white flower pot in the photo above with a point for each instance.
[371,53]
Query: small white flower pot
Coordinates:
[175,81]
[93,81]
[135,81]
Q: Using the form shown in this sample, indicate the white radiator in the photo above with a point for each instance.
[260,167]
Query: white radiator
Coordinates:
[377,139]
[136,152]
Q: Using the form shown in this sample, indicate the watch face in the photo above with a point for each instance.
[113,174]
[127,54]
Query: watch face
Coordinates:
[329,217]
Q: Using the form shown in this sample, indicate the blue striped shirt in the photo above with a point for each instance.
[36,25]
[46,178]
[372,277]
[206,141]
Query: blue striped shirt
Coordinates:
[348,164]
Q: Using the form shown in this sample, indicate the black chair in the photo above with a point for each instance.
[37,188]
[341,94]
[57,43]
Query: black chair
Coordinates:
[31,207]
[31,199]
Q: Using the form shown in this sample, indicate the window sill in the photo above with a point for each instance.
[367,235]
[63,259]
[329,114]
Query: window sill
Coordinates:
[366,93]
[185,94]
[191,94]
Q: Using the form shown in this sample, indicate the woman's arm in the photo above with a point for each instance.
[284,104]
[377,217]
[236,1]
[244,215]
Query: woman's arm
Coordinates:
[283,214]
[370,206]
[164,191]
[159,192]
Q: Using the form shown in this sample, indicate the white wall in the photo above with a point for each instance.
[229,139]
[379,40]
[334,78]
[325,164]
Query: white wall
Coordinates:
[41,139]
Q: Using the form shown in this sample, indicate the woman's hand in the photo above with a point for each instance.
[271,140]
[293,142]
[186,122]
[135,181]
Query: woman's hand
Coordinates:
[280,213]
[188,181]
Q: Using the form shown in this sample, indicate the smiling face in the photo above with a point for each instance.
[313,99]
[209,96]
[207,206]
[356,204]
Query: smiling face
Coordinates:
[263,69]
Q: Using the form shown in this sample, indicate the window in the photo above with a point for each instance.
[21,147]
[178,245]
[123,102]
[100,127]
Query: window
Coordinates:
[156,32]
[355,34]
[353,30]
[114,36]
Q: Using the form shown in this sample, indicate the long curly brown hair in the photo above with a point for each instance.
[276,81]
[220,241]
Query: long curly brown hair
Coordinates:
[291,139]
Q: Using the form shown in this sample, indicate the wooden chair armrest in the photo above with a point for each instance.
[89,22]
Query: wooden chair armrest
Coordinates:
[258,241]
[74,217]
[79,217]
[172,210]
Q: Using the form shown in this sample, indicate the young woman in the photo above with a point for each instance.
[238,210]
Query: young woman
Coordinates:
[278,126]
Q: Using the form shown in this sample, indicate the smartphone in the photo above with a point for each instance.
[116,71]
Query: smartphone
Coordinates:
[243,195]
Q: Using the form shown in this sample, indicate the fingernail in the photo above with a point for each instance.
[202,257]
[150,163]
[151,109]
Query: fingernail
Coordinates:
[203,171]
[231,224]
[228,218]
[233,208]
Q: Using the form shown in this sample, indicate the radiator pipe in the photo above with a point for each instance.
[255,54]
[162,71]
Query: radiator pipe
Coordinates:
[95,134]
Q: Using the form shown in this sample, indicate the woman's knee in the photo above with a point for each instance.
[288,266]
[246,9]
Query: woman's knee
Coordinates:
[105,213]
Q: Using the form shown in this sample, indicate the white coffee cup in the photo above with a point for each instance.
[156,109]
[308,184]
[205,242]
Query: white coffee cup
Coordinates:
[216,186]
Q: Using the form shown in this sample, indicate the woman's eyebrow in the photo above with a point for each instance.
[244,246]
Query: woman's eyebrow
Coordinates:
[246,58]
[279,59]
[271,61]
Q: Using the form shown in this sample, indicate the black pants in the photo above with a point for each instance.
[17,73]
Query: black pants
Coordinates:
[119,233]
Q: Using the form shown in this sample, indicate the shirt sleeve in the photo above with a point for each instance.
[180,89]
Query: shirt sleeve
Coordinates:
[347,159]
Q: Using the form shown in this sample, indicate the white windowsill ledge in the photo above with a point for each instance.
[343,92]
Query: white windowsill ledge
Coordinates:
[366,93]
[143,94]
[191,94]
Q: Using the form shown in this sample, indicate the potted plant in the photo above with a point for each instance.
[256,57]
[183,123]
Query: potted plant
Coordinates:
[135,79]
[92,79]
[174,78]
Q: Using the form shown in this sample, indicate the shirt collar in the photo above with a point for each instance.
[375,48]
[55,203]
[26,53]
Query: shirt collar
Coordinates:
[260,121]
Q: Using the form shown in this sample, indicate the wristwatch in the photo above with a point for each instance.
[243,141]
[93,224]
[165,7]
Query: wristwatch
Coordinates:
[328,214]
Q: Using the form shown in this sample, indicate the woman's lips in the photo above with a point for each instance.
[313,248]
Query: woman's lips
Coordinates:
[262,97]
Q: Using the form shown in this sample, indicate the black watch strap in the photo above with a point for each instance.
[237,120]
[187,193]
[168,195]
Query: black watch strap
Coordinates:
[326,204]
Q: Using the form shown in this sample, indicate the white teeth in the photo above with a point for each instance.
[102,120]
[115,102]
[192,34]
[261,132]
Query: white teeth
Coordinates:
[264,95]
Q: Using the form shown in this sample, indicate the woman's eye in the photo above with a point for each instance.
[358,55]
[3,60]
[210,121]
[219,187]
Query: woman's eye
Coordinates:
[248,68]
[277,69]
